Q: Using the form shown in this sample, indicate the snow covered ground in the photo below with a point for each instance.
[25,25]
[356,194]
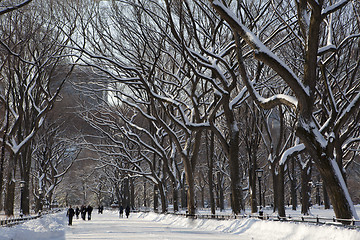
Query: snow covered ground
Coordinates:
[153,226]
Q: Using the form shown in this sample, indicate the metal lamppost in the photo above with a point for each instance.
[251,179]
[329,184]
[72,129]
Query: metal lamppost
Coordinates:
[156,200]
[318,185]
[259,174]
[22,187]
[186,188]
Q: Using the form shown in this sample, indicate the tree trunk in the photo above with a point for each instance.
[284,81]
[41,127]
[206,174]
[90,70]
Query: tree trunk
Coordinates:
[275,189]
[338,192]
[9,198]
[1,201]
[281,192]
[191,189]
[330,173]
[236,189]
[26,192]
[210,173]
[202,197]
[156,198]
[293,185]
[163,199]
[2,162]
[252,186]
[220,192]
[175,197]
[132,193]
[145,195]
[3,151]
[38,205]
[25,198]
[10,186]
[305,188]
[326,197]
[183,197]
[127,191]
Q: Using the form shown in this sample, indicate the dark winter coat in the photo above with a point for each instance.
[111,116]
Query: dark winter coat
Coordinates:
[121,209]
[77,211]
[127,211]
[89,209]
[83,212]
[70,212]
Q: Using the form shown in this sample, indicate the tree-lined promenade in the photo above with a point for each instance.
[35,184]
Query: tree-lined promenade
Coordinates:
[187,101]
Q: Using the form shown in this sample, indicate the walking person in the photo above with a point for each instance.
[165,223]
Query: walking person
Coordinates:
[77,212]
[89,210]
[102,209]
[121,211]
[127,211]
[70,213]
[83,212]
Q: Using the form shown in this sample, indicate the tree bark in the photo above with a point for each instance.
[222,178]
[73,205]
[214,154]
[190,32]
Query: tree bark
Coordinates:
[326,197]
[252,186]
[191,189]
[163,199]
[156,198]
[210,173]
[220,192]
[331,175]
[293,185]
[281,192]
[145,195]
[235,176]
[10,186]
[305,188]
[175,197]
[132,193]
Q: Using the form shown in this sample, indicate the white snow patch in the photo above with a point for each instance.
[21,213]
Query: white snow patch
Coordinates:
[257,229]
[47,227]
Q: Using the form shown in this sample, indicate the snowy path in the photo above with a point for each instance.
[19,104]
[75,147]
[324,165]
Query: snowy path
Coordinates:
[110,226]
[159,226]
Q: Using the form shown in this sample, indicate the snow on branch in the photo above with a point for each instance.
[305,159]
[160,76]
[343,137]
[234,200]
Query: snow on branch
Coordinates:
[326,49]
[261,52]
[351,108]
[334,7]
[15,7]
[291,152]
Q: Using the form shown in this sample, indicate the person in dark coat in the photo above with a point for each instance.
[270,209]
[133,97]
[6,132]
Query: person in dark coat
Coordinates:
[83,212]
[101,208]
[70,213]
[77,212]
[121,211]
[127,211]
[89,210]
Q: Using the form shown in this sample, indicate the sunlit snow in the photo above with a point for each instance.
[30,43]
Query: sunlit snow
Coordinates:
[154,226]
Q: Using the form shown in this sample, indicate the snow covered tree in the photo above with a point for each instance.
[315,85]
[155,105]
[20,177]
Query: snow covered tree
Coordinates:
[52,159]
[33,48]
[323,82]
[12,6]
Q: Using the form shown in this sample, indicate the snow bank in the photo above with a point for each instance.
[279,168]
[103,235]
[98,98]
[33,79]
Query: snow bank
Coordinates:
[258,229]
[50,226]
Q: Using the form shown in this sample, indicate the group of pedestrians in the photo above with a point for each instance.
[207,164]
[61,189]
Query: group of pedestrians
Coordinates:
[83,210]
[121,211]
